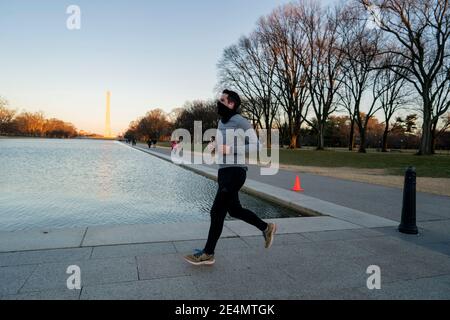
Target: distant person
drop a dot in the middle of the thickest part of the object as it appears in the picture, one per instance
(179, 144)
(231, 177)
(149, 143)
(134, 142)
(212, 144)
(154, 143)
(212, 141)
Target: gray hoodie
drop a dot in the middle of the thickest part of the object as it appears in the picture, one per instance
(245, 141)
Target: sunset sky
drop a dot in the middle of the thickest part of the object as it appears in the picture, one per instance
(148, 53)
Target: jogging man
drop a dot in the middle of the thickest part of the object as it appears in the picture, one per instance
(231, 177)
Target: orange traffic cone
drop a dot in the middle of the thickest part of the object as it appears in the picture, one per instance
(297, 187)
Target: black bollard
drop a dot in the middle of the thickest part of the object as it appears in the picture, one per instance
(408, 223)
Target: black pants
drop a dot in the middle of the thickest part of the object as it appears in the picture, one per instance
(230, 181)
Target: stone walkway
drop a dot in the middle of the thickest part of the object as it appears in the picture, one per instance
(306, 265)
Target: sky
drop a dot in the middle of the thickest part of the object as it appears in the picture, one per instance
(148, 53)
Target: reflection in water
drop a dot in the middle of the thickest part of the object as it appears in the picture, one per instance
(105, 172)
(75, 183)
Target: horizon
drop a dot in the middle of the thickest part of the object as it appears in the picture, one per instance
(146, 60)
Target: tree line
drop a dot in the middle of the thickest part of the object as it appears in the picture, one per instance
(32, 124)
(403, 134)
(158, 125)
(312, 71)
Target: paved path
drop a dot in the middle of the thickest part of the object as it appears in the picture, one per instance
(303, 265)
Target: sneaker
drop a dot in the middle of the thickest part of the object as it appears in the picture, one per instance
(200, 258)
(269, 234)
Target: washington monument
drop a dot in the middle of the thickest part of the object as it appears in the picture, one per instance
(108, 133)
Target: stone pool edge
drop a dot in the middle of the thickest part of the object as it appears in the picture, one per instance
(116, 235)
(310, 206)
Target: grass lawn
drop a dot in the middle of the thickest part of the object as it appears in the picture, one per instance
(395, 163)
(163, 144)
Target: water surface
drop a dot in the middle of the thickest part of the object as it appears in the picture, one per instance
(47, 183)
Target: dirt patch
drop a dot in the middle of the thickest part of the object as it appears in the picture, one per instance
(440, 186)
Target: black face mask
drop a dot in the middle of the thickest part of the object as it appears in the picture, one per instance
(224, 112)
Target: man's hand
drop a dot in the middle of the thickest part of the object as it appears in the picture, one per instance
(211, 146)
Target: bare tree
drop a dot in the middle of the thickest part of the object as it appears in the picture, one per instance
(55, 128)
(441, 104)
(360, 45)
(204, 111)
(282, 126)
(248, 68)
(6, 116)
(394, 96)
(445, 125)
(153, 125)
(363, 118)
(322, 60)
(30, 123)
(345, 100)
(33, 124)
(281, 32)
(253, 112)
(419, 32)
